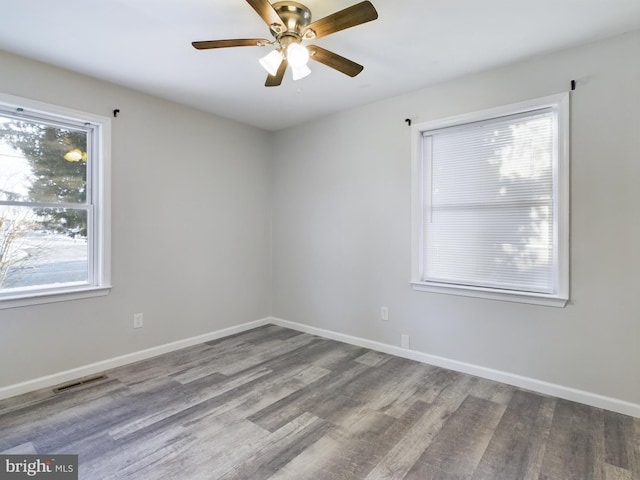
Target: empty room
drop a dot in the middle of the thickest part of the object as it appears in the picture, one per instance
(243, 239)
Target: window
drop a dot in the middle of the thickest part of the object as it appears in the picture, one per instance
(491, 203)
(54, 209)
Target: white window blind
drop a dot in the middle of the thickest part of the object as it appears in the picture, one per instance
(490, 214)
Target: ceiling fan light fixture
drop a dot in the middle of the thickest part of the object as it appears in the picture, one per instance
(272, 61)
(297, 55)
(290, 25)
(300, 72)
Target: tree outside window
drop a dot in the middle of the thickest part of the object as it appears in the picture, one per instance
(43, 204)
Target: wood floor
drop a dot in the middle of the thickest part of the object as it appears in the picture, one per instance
(274, 403)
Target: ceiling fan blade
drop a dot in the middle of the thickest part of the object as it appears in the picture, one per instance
(357, 14)
(240, 42)
(266, 11)
(334, 61)
(276, 80)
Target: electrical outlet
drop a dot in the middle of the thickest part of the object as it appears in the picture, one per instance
(138, 320)
(404, 341)
(384, 313)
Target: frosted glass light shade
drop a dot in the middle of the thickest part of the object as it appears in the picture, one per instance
(300, 72)
(271, 62)
(297, 55)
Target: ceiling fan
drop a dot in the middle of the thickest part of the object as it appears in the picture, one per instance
(290, 24)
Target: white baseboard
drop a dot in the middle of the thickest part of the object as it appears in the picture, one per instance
(540, 386)
(568, 393)
(93, 368)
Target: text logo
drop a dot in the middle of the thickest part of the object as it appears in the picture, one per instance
(51, 467)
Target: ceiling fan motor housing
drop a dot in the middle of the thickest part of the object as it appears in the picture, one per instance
(295, 17)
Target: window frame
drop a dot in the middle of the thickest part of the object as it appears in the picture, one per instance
(559, 102)
(98, 203)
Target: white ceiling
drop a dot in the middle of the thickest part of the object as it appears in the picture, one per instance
(146, 45)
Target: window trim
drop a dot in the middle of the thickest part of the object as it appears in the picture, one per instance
(99, 176)
(561, 186)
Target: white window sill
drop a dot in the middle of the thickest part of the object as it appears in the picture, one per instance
(493, 294)
(52, 295)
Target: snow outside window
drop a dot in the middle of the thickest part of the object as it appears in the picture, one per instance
(53, 203)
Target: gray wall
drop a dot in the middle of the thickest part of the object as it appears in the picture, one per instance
(194, 196)
(190, 229)
(342, 227)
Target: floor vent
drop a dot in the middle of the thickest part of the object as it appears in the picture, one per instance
(78, 383)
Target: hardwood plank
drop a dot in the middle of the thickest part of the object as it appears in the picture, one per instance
(372, 358)
(124, 459)
(341, 453)
(43, 424)
(423, 471)
(616, 473)
(24, 400)
(436, 381)
(319, 395)
(22, 449)
(379, 383)
(571, 452)
(281, 448)
(162, 409)
(327, 354)
(401, 458)
(617, 430)
(415, 382)
(258, 354)
(352, 452)
(258, 335)
(543, 428)
(493, 391)
(634, 448)
(460, 445)
(597, 433)
(164, 365)
(517, 446)
(212, 403)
